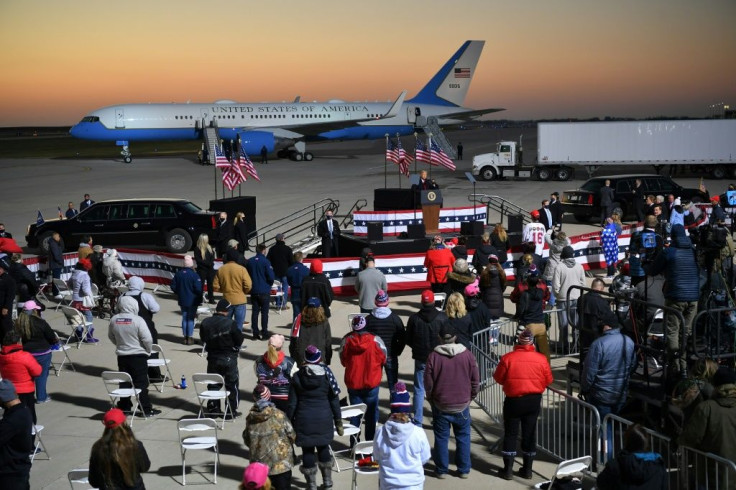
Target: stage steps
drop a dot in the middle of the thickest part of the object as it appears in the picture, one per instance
(299, 228)
(502, 206)
(438, 136)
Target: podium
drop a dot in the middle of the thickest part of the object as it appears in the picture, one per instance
(431, 202)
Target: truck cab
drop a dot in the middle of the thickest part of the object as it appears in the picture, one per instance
(489, 166)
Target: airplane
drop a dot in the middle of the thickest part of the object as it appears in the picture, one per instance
(284, 125)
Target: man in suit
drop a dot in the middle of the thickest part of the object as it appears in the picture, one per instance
(225, 231)
(425, 183)
(555, 207)
(649, 205)
(329, 230)
(86, 203)
(607, 199)
(545, 215)
(639, 200)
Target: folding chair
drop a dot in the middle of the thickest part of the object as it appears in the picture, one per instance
(78, 477)
(277, 294)
(362, 449)
(194, 442)
(112, 381)
(439, 301)
(75, 319)
(63, 347)
(65, 292)
(161, 362)
(202, 383)
(566, 468)
(39, 446)
(42, 290)
(349, 430)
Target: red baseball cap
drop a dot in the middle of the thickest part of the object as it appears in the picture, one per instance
(535, 214)
(427, 297)
(113, 418)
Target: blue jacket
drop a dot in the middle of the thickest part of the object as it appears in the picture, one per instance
(677, 263)
(607, 368)
(261, 273)
(295, 274)
(188, 287)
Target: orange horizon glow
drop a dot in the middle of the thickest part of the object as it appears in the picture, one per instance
(541, 59)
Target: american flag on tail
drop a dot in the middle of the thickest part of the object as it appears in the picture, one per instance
(247, 165)
(439, 157)
(421, 151)
(392, 154)
(404, 158)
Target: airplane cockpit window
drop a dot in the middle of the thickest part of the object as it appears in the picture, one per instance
(90, 119)
(417, 111)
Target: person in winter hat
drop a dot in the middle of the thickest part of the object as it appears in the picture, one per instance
(269, 436)
(387, 325)
(363, 355)
(400, 448)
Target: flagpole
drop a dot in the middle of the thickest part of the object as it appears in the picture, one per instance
(416, 137)
(429, 147)
(215, 177)
(385, 165)
(399, 164)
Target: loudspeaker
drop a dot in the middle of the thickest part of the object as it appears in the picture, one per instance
(516, 227)
(375, 232)
(415, 231)
(471, 228)
(232, 205)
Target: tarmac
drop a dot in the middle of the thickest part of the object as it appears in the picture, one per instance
(341, 171)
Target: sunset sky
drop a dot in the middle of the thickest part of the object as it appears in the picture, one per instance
(542, 59)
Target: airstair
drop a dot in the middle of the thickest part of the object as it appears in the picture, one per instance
(211, 138)
(501, 206)
(438, 136)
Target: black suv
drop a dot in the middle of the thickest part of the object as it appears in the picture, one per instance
(584, 203)
(173, 223)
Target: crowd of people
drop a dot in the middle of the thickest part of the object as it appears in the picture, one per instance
(296, 400)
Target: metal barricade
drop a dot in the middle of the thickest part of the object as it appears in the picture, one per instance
(568, 427)
(488, 346)
(706, 470)
(715, 329)
(658, 443)
(559, 346)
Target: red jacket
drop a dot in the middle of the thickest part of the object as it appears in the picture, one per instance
(20, 367)
(363, 355)
(523, 371)
(523, 286)
(438, 263)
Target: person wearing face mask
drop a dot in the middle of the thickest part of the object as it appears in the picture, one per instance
(329, 230)
(225, 232)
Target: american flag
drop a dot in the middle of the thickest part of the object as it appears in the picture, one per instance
(245, 162)
(439, 157)
(421, 151)
(462, 72)
(405, 158)
(392, 154)
(232, 176)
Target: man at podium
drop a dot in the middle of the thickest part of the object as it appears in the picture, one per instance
(424, 183)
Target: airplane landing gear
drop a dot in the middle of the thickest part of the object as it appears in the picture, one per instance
(127, 155)
(297, 154)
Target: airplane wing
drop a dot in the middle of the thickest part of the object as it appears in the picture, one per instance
(471, 114)
(313, 129)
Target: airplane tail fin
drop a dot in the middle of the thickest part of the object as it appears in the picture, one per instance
(450, 85)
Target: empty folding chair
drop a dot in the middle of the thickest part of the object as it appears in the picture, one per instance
(568, 468)
(63, 349)
(76, 321)
(206, 392)
(65, 292)
(79, 478)
(439, 301)
(361, 450)
(112, 381)
(197, 434)
(349, 430)
(277, 296)
(39, 446)
(161, 362)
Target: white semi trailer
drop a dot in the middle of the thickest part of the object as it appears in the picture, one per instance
(561, 146)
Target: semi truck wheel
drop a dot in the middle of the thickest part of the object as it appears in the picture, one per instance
(563, 174)
(487, 173)
(544, 174)
(719, 172)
